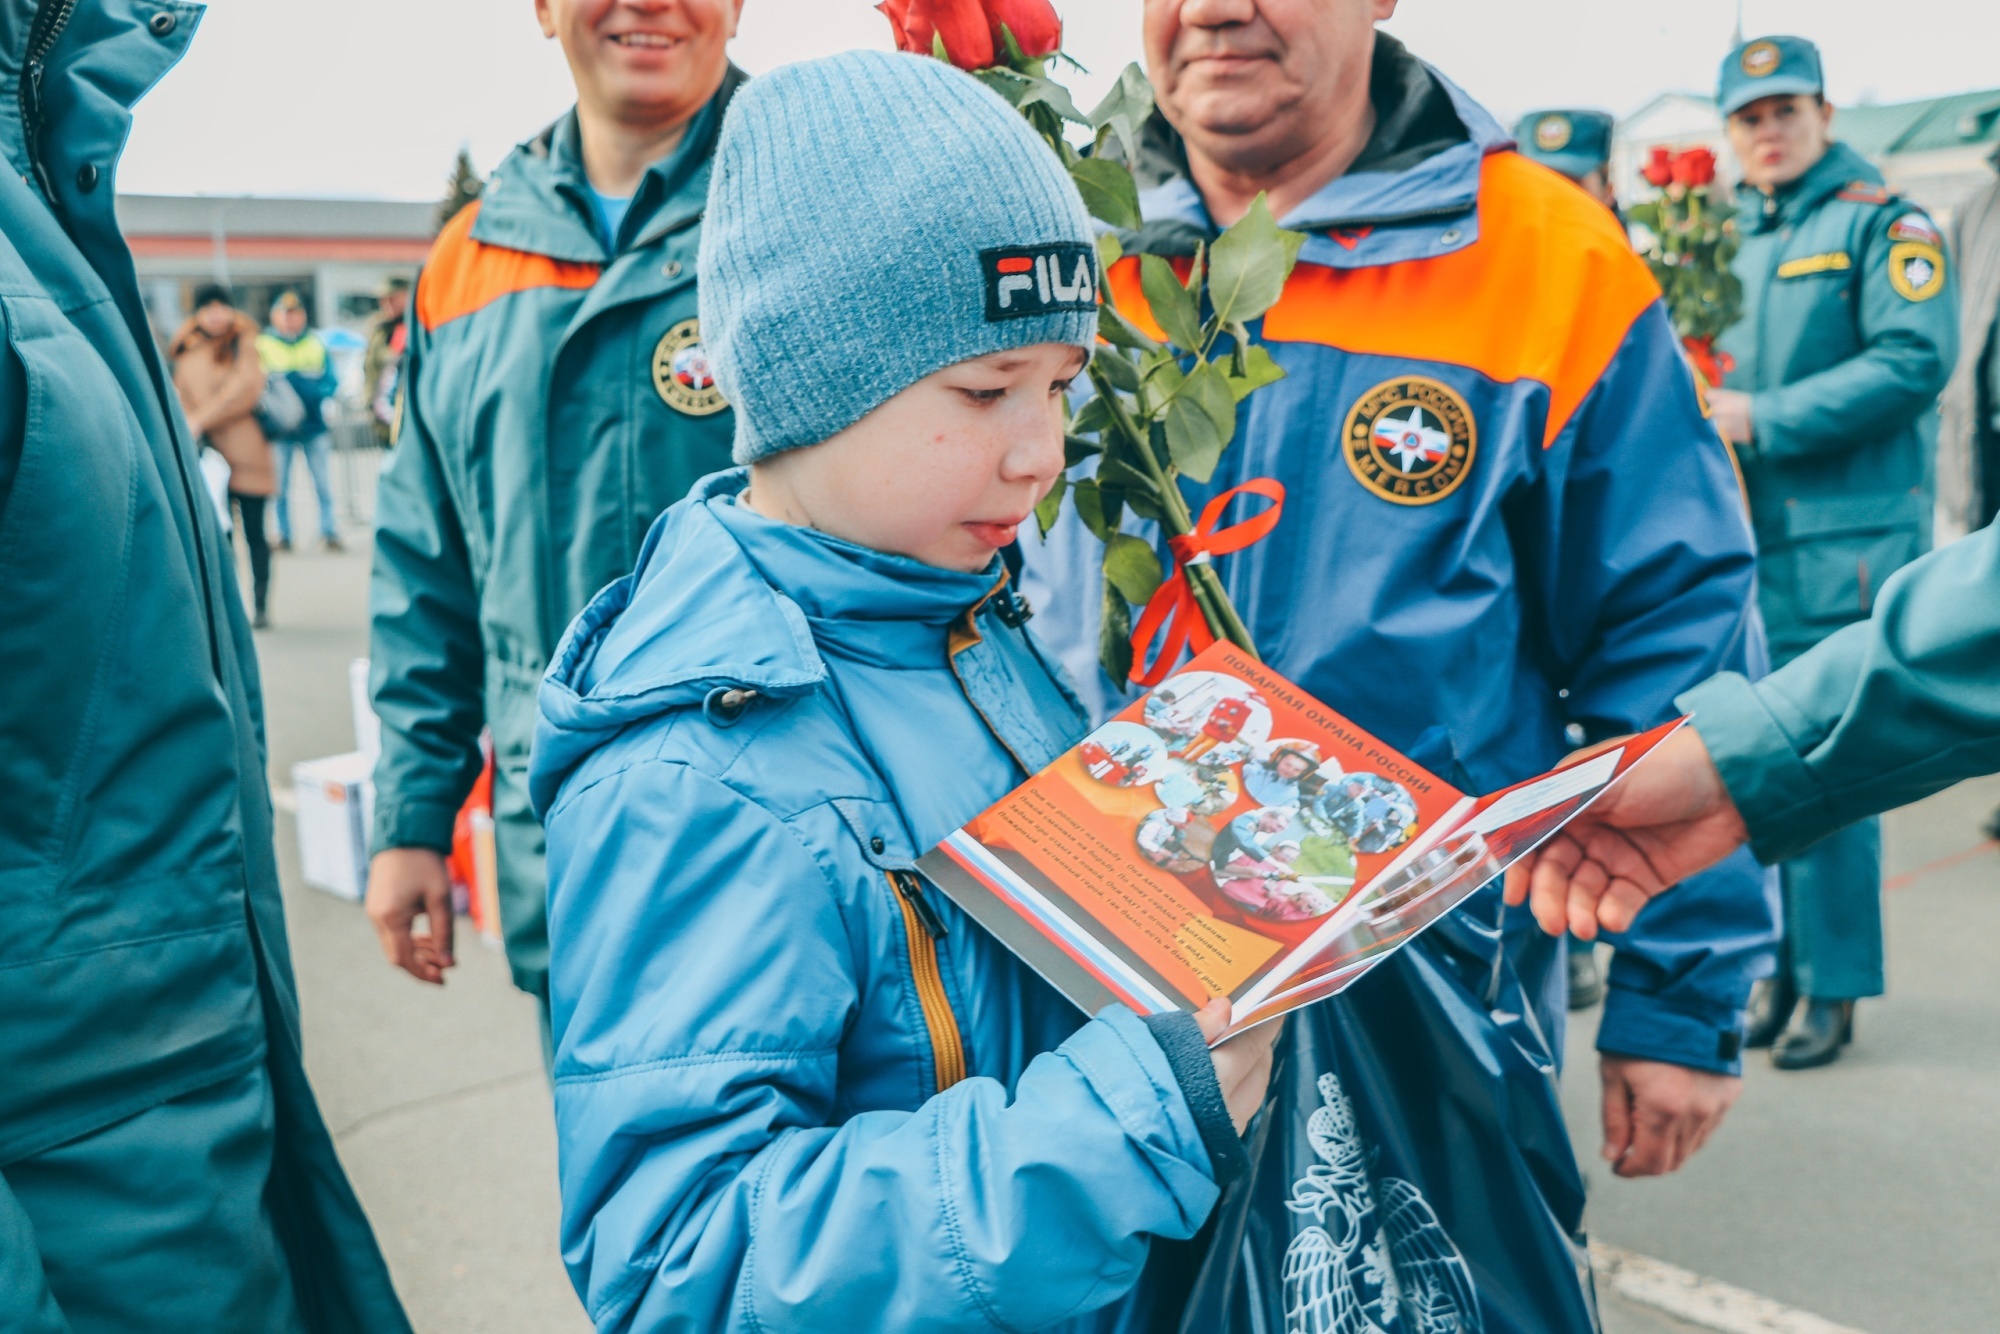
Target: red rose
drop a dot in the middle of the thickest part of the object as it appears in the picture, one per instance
(1036, 27)
(1694, 167)
(962, 24)
(1659, 168)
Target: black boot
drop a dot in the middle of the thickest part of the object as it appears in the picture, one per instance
(1586, 979)
(1771, 1003)
(1815, 1036)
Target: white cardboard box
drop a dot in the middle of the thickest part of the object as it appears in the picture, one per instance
(336, 798)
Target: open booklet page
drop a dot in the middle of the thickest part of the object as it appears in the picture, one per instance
(1227, 834)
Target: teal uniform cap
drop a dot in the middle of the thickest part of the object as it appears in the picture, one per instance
(1574, 143)
(1768, 67)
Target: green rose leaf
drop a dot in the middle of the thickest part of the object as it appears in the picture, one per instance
(1159, 379)
(1173, 309)
(1248, 265)
(1051, 506)
(1109, 251)
(1125, 110)
(1200, 419)
(1258, 370)
(1114, 633)
(1118, 369)
(1092, 417)
(1121, 332)
(1108, 191)
(1090, 508)
(1133, 568)
(1076, 449)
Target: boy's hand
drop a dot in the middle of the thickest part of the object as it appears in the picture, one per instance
(1242, 1064)
(404, 883)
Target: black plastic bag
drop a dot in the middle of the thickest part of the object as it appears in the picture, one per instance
(1411, 1173)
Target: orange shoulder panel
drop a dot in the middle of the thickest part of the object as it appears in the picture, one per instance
(463, 275)
(1548, 293)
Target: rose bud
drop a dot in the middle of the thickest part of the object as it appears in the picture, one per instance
(961, 24)
(1659, 168)
(1036, 27)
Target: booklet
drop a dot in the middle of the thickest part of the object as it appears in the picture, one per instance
(1229, 835)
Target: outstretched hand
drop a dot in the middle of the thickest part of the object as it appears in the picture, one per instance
(1665, 820)
(1242, 1064)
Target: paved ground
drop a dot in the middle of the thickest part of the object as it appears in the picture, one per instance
(1868, 1193)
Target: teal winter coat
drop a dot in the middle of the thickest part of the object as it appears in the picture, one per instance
(796, 1088)
(555, 401)
(1849, 332)
(142, 939)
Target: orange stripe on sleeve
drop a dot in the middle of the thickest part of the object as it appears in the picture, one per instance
(1547, 293)
(464, 275)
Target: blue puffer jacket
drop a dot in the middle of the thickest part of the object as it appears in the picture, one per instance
(791, 1092)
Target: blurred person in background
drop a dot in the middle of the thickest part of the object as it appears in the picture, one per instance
(555, 399)
(290, 349)
(382, 362)
(163, 1162)
(221, 381)
(1575, 143)
(1849, 331)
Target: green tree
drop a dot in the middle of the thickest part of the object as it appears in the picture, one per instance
(461, 188)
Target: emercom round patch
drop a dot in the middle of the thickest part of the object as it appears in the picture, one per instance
(681, 374)
(1552, 133)
(1916, 269)
(1760, 59)
(1411, 440)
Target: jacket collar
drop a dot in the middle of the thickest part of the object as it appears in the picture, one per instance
(539, 198)
(723, 598)
(1421, 200)
(1838, 169)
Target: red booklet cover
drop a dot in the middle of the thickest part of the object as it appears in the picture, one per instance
(1229, 835)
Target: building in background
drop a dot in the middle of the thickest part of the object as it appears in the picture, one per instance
(336, 253)
(1932, 151)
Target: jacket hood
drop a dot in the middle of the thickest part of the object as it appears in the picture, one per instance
(538, 199)
(723, 599)
(1410, 199)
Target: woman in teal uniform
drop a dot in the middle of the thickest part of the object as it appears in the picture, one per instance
(1848, 333)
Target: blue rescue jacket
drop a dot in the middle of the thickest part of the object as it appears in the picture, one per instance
(1577, 553)
(792, 1093)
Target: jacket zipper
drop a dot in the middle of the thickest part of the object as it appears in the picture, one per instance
(42, 36)
(924, 928)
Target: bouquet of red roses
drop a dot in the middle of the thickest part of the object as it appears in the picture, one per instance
(1161, 410)
(1692, 226)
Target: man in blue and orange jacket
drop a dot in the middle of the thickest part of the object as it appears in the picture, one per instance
(555, 398)
(1563, 551)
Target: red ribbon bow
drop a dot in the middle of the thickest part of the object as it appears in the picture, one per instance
(1174, 605)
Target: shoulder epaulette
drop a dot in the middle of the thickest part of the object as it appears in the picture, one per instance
(1864, 192)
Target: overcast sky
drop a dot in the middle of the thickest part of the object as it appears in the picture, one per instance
(374, 97)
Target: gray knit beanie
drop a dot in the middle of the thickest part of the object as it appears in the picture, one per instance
(873, 218)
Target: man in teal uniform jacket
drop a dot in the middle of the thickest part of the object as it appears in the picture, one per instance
(1879, 715)
(163, 1165)
(556, 400)
(1848, 333)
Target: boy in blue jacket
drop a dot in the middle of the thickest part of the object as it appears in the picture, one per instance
(795, 1087)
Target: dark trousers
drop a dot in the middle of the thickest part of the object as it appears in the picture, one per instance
(250, 523)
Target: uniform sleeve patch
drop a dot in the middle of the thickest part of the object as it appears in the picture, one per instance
(1916, 270)
(1914, 227)
(1831, 262)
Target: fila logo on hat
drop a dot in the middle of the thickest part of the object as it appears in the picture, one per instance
(1038, 279)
